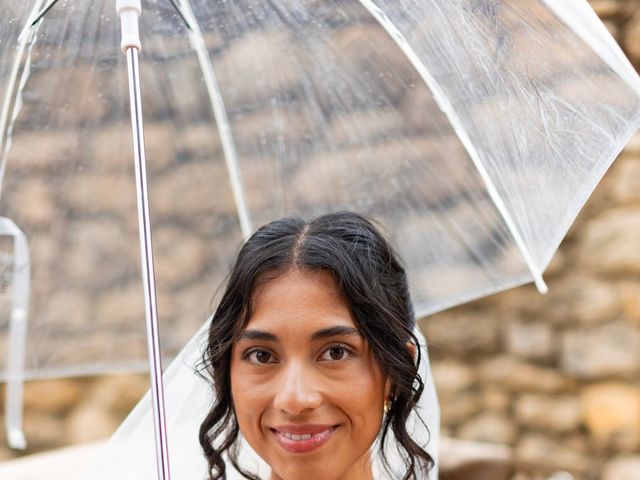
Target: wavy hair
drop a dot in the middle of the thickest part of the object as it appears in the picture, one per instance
(372, 282)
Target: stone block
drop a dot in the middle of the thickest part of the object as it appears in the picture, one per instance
(452, 377)
(44, 430)
(606, 8)
(34, 201)
(549, 413)
(110, 149)
(43, 151)
(118, 394)
(624, 467)
(514, 375)
(552, 454)
(630, 296)
(458, 408)
(495, 399)
(89, 422)
(488, 427)
(179, 256)
(609, 242)
(624, 181)
(611, 412)
(530, 340)
(255, 66)
(611, 349)
(98, 254)
(70, 307)
(580, 299)
(121, 307)
(95, 193)
(192, 191)
(52, 396)
(462, 333)
(631, 40)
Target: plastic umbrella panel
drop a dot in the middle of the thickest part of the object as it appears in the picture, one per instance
(474, 131)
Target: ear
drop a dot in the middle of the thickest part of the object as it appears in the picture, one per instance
(412, 350)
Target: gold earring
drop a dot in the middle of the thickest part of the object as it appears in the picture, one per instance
(387, 405)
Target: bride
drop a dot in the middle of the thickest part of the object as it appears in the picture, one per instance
(316, 369)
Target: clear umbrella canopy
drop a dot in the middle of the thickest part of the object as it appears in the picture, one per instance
(473, 130)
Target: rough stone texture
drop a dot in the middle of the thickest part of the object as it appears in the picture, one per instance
(452, 377)
(632, 37)
(495, 399)
(606, 8)
(612, 349)
(88, 422)
(611, 412)
(625, 181)
(118, 392)
(530, 340)
(544, 450)
(581, 299)
(630, 295)
(609, 242)
(622, 468)
(512, 374)
(552, 414)
(459, 407)
(461, 334)
(36, 199)
(488, 427)
(44, 430)
(52, 396)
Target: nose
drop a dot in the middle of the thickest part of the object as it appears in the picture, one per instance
(297, 392)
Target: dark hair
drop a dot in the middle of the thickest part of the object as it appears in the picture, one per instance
(372, 282)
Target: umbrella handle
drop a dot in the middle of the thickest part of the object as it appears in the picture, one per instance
(20, 289)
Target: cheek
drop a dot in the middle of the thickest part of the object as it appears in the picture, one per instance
(248, 398)
(362, 399)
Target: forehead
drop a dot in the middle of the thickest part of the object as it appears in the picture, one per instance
(297, 301)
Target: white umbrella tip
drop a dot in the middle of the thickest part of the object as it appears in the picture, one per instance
(16, 439)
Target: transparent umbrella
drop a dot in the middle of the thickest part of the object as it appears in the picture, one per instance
(474, 130)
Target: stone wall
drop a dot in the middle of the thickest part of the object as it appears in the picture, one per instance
(557, 376)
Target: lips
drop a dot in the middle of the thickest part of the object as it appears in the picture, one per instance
(303, 438)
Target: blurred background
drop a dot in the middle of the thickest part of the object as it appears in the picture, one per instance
(555, 377)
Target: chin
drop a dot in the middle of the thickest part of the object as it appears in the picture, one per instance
(309, 471)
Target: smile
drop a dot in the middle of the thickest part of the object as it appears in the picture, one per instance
(298, 441)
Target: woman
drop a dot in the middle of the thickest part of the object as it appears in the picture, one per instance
(313, 355)
(314, 336)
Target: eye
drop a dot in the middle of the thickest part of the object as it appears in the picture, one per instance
(258, 356)
(335, 353)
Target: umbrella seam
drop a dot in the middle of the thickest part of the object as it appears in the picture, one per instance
(445, 106)
(11, 95)
(221, 118)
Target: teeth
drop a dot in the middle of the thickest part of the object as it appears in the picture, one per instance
(297, 438)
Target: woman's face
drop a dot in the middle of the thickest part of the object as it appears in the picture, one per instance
(307, 391)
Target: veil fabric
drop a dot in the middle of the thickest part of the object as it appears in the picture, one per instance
(130, 452)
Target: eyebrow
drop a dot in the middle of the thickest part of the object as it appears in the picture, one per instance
(334, 332)
(253, 334)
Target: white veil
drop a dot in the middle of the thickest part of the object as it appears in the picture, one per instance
(130, 453)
